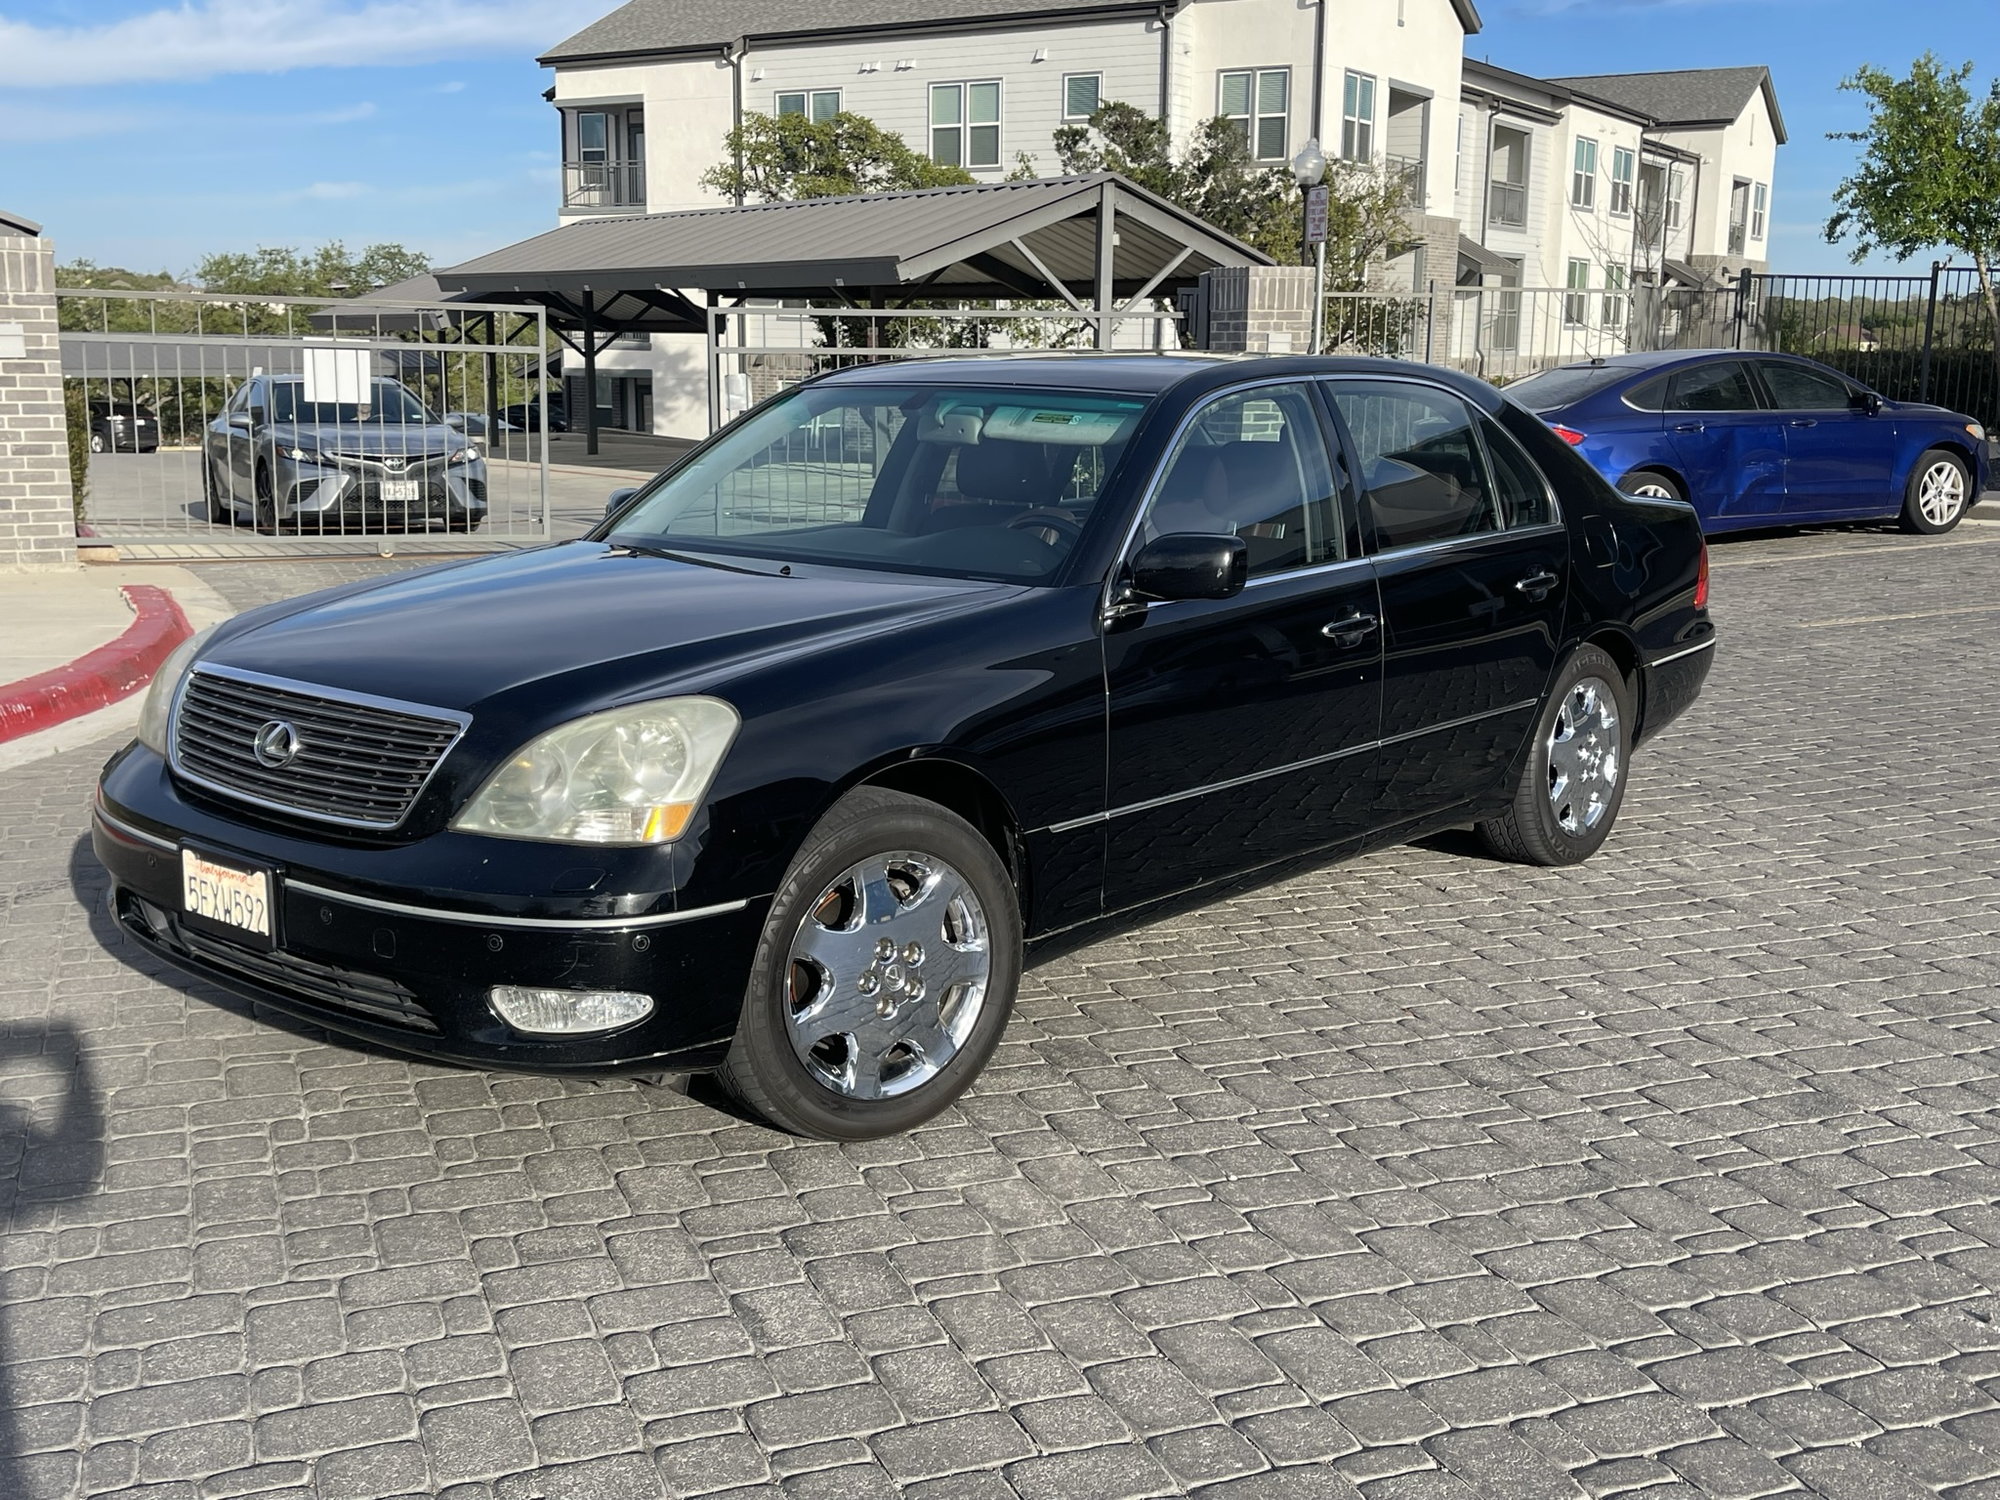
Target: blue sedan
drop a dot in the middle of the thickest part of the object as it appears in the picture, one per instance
(1762, 439)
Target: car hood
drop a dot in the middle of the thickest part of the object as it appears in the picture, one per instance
(564, 630)
(370, 439)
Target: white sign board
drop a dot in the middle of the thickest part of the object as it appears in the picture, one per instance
(1316, 199)
(338, 375)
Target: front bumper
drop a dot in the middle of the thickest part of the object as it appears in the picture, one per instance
(408, 971)
(323, 490)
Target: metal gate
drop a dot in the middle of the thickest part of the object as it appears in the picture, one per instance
(281, 422)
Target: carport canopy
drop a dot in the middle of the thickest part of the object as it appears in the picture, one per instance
(1099, 243)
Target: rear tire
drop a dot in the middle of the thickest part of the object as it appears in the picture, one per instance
(1574, 780)
(1652, 484)
(1938, 494)
(840, 1040)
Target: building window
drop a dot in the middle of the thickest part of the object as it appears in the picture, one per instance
(1760, 200)
(1614, 298)
(1257, 103)
(1676, 192)
(818, 104)
(1357, 118)
(1576, 302)
(1623, 165)
(1583, 178)
(965, 124)
(1508, 204)
(1082, 93)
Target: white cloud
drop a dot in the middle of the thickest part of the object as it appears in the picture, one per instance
(456, 86)
(203, 38)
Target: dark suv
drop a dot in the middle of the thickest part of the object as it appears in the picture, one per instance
(123, 427)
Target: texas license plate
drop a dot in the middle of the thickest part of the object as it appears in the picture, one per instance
(227, 895)
(404, 490)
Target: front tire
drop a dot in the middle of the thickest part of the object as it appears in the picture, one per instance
(266, 511)
(1937, 495)
(884, 975)
(1574, 781)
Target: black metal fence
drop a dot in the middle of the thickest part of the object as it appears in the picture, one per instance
(1913, 338)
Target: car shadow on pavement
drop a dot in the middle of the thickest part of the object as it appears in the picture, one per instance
(52, 1151)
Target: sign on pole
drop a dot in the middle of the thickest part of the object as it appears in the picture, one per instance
(1316, 199)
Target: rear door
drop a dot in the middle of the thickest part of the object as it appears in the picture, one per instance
(1838, 459)
(1729, 444)
(1473, 565)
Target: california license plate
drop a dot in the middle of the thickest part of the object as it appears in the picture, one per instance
(227, 895)
(403, 490)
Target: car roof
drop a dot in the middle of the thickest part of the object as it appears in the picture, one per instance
(1135, 374)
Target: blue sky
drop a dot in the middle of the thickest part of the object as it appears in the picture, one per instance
(146, 134)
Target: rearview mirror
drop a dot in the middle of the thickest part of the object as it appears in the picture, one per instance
(1191, 565)
(618, 499)
(1866, 401)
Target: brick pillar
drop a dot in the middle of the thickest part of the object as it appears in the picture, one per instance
(37, 523)
(1259, 309)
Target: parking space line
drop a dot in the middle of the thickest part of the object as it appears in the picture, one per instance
(1920, 614)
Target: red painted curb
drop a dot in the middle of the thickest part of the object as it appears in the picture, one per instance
(101, 677)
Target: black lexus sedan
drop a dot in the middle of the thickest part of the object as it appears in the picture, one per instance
(780, 769)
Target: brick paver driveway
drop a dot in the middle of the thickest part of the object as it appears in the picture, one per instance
(1419, 1177)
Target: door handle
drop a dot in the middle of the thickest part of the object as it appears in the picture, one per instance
(1690, 427)
(1351, 630)
(1805, 421)
(1537, 585)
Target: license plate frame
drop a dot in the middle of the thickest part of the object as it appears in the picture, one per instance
(232, 886)
(401, 491)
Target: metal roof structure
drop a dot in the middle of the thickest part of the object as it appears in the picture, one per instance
(665, 28)
(1092, 241)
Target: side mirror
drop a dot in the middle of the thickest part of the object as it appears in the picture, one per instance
(618, 498)
(1867, 402)
(1191, 565)
(455, 420)
(240, 419)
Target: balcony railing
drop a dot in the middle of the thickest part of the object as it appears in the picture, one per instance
(1409, 172)
(1509, 205)
(604, 187)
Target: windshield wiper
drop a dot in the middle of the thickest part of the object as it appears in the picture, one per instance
(700, 560)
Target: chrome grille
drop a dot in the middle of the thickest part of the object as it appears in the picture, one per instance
(361, 761)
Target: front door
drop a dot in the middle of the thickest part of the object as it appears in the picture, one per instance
(1838, 459)
(1473, 565)
(1242, 730)
(1730, 446)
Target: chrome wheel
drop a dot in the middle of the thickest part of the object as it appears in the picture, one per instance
(1583, 756)
(887, 975)
(1941, 493)
(1652, 489)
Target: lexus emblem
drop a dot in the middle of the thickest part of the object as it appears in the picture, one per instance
(276, 745)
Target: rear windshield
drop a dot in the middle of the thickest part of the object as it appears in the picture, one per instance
(1565, 386)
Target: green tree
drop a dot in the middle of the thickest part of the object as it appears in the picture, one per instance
(328, 271)
(783, 158)
(1217, 180)
(1929, 173)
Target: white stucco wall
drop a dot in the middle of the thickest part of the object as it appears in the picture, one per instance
(1745, 149)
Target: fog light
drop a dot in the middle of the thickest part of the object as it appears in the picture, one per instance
(567, 1012)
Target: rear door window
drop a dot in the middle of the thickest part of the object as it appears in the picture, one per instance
(1723, 386)
(1422, 468)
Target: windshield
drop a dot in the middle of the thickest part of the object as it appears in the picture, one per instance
(963, 481)
(1565, 386)
(388, 403)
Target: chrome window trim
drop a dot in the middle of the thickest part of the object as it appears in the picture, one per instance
(1159, 475)
(1150, 803)
(314, 690)
(1661, 661)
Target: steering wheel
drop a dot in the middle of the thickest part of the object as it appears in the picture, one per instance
(1046, 517)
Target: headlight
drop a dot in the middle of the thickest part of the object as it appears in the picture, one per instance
(627, 776)
(301, 455)
(1978, 432)
(467, 454)
(157, 711)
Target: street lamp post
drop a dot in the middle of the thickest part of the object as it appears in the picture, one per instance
(1309, 171)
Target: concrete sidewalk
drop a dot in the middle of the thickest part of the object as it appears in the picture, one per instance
(87, 619)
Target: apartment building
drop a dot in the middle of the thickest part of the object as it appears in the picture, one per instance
(647, 95)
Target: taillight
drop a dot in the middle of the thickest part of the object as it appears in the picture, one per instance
(1701, 578)
(1570, 435)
